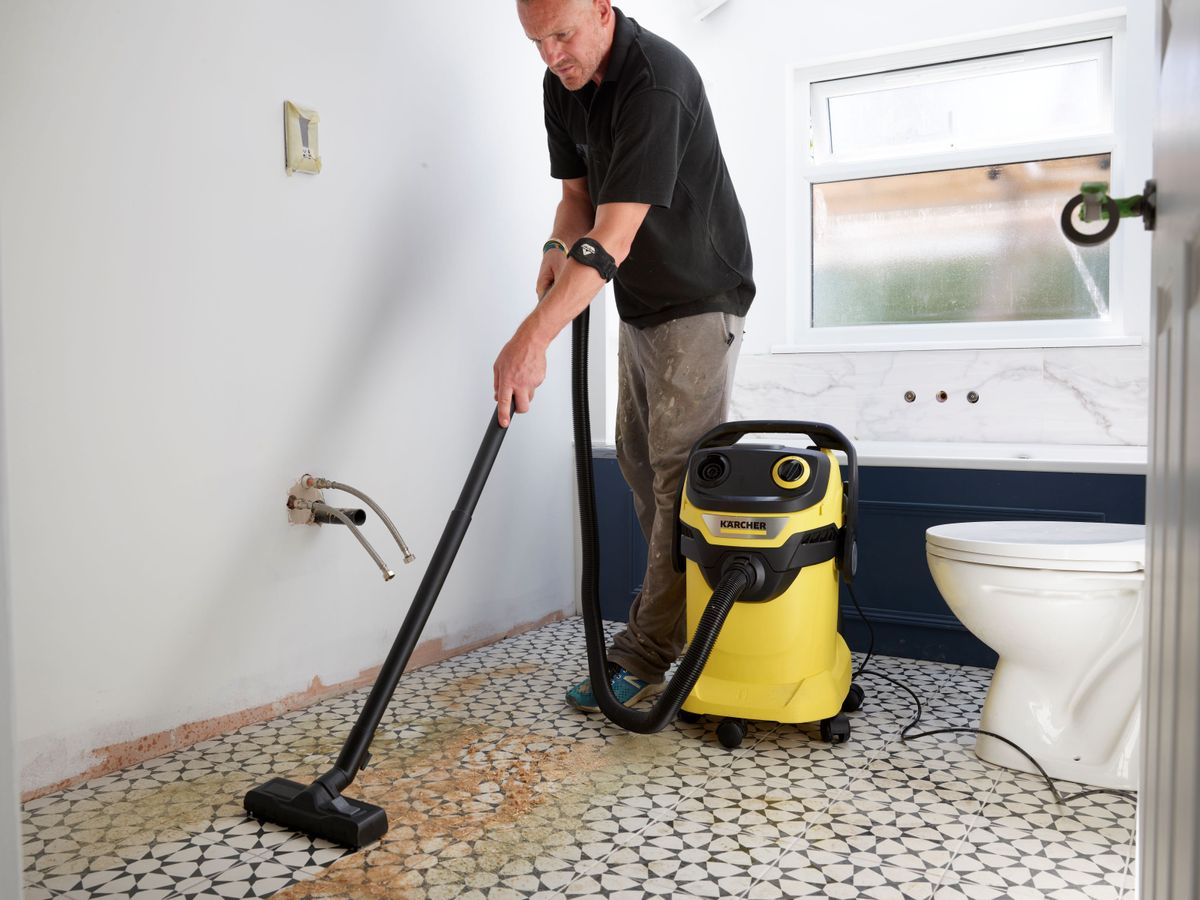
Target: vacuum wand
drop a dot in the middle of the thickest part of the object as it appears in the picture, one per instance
(319, 809)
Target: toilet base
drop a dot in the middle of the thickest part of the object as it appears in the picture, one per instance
(1104, 754)
(993, 751)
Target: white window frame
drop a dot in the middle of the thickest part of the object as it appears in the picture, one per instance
(1126, 305)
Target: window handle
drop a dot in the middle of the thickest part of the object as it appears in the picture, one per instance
(1094, 205)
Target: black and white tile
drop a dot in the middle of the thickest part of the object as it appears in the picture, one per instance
(610, 815)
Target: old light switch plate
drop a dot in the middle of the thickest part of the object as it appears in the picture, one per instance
(300, 138)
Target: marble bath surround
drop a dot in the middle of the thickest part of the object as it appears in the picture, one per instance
(1052, 396)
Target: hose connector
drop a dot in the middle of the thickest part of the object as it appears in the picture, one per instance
(750, 565)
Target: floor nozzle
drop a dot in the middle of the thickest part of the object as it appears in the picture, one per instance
(317, 810)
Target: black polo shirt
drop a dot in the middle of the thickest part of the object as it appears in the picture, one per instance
(646, 135)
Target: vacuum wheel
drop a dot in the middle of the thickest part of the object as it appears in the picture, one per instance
(835, 730)
(854, 699)
(690, 718)
(730, 733)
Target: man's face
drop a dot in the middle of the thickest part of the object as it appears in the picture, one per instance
(571, 35)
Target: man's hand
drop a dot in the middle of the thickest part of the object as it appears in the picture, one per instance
(518, 371)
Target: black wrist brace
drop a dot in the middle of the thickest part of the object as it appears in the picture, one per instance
(590, 253)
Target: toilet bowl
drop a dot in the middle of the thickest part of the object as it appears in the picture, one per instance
(1061, 604)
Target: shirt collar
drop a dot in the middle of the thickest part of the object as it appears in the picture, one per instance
(623, 35)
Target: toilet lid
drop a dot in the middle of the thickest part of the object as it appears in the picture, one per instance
(1111, 546)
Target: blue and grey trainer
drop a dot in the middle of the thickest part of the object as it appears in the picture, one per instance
(627, 687)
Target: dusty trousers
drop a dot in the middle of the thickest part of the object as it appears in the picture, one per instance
(674, 384)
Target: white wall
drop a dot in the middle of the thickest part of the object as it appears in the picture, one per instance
(187, 330)
(10, 831)
(747, 50)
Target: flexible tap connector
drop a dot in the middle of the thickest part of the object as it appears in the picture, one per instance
(325, 509)
(314, 481)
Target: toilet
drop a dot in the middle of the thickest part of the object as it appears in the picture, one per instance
(1062, 605)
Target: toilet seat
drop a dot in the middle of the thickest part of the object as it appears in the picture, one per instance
(1065, 546)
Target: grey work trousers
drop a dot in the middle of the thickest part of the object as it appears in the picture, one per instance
(674, 383)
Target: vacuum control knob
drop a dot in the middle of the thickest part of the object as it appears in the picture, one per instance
(791, 469)
(790, 472)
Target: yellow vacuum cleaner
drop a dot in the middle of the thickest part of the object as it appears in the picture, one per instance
(763, 532)
(788, 512)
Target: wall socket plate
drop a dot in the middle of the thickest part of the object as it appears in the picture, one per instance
(301, 491)
(301, 153)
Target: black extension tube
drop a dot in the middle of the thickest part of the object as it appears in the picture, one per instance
(739, 577)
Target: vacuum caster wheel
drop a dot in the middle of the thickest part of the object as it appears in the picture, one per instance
(690, 718)
(730, 733)
(835, 730)
(854, 699)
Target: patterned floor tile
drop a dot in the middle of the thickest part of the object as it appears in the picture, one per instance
(248, 876)
(903, 805)
(814, 766)
(811, 872)
(875, 834)
(496, 789)
(167, 874)
(104, 818)
(1038, 874)
(966, 891)
(1042, 858)
(654, 870)
(1024, 803)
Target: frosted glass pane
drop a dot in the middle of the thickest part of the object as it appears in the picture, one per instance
(1045, 94)
(1040, 104)
(963, 245)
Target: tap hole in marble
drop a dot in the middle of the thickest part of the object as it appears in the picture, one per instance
(941, 396)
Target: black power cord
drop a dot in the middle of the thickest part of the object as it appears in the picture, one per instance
(905, 736)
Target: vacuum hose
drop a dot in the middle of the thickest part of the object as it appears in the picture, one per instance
(738, 578)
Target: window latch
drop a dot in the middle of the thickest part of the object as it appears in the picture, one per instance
(1095, 205)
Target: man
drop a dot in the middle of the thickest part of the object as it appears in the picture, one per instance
(646, 201)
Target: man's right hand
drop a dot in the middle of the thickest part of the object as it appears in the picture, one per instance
(518, 371)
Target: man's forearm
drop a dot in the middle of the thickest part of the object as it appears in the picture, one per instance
(614, 229)
(571, 294)
(521, 366)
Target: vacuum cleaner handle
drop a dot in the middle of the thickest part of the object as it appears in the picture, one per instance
(824, 437)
